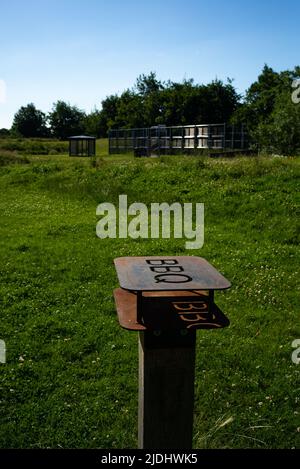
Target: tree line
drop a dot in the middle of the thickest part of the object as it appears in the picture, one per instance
(267, 110)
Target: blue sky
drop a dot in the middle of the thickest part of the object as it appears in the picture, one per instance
(81, 51)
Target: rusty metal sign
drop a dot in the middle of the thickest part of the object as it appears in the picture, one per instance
(166, 273)
(168, 293)
(182, 311)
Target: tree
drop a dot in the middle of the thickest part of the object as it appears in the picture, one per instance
(147, 84)
(221, 101)
(271, 118)
(108, 113)
(147, 91)
(130, 112)
(4, 132)
(92, 124)
(30, 122)
(262, 95)
(188, 103)
(151, 102)
(66, 120)
(281, 132)
(178, 104)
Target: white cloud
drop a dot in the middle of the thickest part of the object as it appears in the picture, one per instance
(2, 91)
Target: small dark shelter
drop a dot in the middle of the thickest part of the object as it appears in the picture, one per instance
(82, 145)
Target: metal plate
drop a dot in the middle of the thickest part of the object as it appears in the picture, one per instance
(166, 273)
(185, 310)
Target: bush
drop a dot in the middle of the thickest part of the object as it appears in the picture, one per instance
(34, 146)
(8, 157)
(281, 133)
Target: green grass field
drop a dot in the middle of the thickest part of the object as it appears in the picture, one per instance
(70, 380)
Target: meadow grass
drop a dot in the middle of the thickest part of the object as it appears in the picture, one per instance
(33, 146)
(70, 380)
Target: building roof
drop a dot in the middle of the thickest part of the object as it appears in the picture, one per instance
(82, 137)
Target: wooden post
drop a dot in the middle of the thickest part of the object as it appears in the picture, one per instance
(195, 137)
(242, 137)
(148, 142)
(117, 140)
(158, 134)
(166, 389)
(133, 139)
(170, 140)
(210, 138)
(183, 139)
(166, 318)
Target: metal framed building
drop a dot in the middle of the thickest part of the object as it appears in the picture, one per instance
(178, 139)
(82, 145)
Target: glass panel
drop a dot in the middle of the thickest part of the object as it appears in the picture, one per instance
(202, 143)
(217, 143)
(203, 131)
